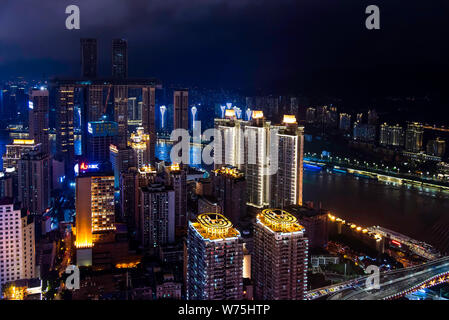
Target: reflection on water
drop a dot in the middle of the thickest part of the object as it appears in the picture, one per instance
(409, 210)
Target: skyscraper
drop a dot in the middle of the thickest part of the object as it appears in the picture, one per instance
(286, 182)
(95, 215)
(391, 135)
(89, 62)
(214, 259)
(279, 262)
(230, 191)
(65, 141)
(140, 143)
(176, 177)
(157, 215)
(148, 117)
(34, 181)
(121, 114)
(181, 109)
(17, 244)
(38, 118)
(414, 137)
(16, 150)
(120, 58)
(100, 136)
(345, 122)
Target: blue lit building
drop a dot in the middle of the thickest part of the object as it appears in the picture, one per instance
(99, 137)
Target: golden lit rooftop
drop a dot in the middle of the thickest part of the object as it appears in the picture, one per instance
(214, 226)
(147, 169)
(23, 141)
(230, 113)
(279, 220)
(257, 114)
(230, 171)
(289, 119)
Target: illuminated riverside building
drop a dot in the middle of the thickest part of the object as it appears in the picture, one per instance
(95, 215)
(140, 143)
(391, 135)
(121, 160)
(16, 150)
(436, 147)
(100, 136)
(286, 182)
(157, 215)
(230, 191)
(279, 261)
(414, 137)
(17, 244)
(214, 259)
(38, 108)
(34, 181)
(181, 109)
(345, 122)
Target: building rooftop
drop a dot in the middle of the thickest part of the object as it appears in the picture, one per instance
(278, 220)
(214, 227)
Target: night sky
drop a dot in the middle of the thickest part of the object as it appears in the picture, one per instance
(277, 44)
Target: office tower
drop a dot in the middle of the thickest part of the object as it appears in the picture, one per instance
(331, 117)
(100, 136)
(256, 154)
(34, 181)
(359, 117)
(17, 244)
(89, 62)
(121, 160)
(230, 191)
(157, 215)
(94, 107)
(120, 58)
(140, 143)
(176, 177)
(95, 216)
(391, 135)
(364, 132)
(294, 106)
(65, 141)
(321, 112)
(38, 118)
(345, 122)
(279, 261)
(121, 114)
(414, 137)
(148, 118)
(436, 147)
(130, 183)
(310, 115)
(214, 259)
(286, 183)
(16, 150)
(181, 109)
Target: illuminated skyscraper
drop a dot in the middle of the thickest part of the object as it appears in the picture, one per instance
(120, 58)
(176, 177)
(16, 150)
(17, 244)
(140, 142)
(95, 215)
(89, 63)
(34, 181)
(181, 109)
(286, 182)
(279, 261)
(100, 136)
(148, 118)
(157, 215)
(414, 137)
(214, 259)
(65, 142)
(121, 114)
(345, 122)
(436, 147)
(310, 115)
(38, 109)
(230, 191)
(391, 135)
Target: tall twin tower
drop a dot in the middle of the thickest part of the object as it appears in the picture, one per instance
(89, 58)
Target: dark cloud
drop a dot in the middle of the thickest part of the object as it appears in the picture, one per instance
(229, 42)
